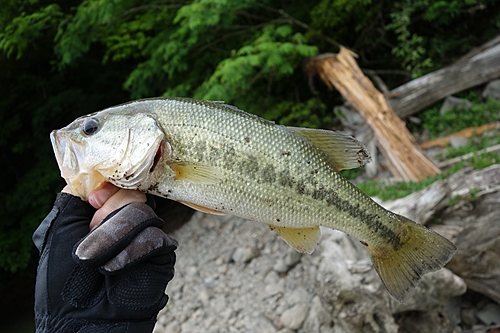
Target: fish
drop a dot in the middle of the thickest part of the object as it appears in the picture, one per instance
(218, 159)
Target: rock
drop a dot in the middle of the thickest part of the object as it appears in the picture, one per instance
(297, 296)
(294, 317)
(451, 102)
(349, 118)
(280, 266)
(261, 324)
(490, 314)
(435, 289)
(173, 327)
(468, 316)
(452, 308)
(162, 320)
(429, 322)
(349, 288)
(275, 288)
(283, 265)
(372, 169)
(244, 254)
(317, 317)
(479, 329)
(292, 258)
(457, 142)
(285, 330)
(474, 228)
(192, 270)
(205, 295)
(492, 90)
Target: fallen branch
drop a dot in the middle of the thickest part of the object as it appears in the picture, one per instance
(405, 159)
(420, 93)
(450, 162)
(465, 133)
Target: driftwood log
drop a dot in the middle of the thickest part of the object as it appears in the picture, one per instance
(405, 159)
(481, 66)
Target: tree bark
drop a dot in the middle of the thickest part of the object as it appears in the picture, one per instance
(405, 158)
(468, 72)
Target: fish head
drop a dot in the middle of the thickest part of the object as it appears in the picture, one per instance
(109, 146)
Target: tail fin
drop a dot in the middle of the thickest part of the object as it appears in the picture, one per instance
(421, 251)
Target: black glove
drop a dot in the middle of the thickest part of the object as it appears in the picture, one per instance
(112, 279)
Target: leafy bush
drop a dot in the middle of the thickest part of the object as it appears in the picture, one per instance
(457, 119)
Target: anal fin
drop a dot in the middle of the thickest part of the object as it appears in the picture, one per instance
(202, 208)
(303, 240)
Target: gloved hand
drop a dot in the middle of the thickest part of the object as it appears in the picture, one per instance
(109, 280)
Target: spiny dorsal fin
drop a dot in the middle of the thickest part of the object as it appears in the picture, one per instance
(343, 151)
(196, 173)
(303, 240)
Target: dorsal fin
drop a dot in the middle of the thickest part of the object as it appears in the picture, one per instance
(343, 151)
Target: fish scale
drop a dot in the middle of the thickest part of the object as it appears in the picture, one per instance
(219, 159)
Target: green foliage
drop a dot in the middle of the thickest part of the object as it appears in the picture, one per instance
(410, 47)
(456, 119)
(469, 197)
(18, 34)
(274, 53)
(312, 113)
(351, 173)
(412, 19)
(336, 13)
(475, 144)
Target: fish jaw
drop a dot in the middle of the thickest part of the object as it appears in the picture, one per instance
(69, 156)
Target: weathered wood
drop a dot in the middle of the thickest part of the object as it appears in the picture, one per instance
(420, 93)
(405, 159)
(465, 133)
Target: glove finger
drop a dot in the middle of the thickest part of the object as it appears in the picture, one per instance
(150, 242)
(114, 234)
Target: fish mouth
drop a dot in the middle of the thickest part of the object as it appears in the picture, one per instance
(69, 159)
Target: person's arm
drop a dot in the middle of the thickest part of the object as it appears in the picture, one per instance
(111, 279)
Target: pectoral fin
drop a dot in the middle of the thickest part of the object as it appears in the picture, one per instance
(202, 208)
(303, 240)
(343, 151)
(196, 173)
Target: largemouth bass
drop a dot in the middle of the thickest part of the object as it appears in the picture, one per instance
(218, 159)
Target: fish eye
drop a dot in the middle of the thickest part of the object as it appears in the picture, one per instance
(90, 126)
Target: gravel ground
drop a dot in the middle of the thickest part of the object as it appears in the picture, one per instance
(234, 275)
